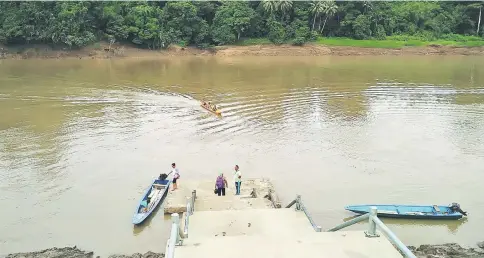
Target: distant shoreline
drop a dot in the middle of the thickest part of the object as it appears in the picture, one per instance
(104, 51)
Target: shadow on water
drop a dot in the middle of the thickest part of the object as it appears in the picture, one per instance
(137, 229)
(452, 225)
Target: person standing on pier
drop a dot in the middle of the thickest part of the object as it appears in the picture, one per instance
(176, 176)
(221, 184)
(237, 180)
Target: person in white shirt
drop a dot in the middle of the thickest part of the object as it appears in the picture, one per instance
(176, 176)
(237, 180)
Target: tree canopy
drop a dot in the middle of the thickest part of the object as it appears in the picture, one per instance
(204, 23)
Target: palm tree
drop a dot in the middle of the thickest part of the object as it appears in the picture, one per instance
(329, 11)
(284, 6)
(479, 21)
(477, 6)
(317, 8)
(270, 6)
(367, 6)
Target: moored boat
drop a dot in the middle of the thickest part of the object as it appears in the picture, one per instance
(451, 212)
(153, 196)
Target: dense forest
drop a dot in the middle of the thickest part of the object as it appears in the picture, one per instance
(208, 23)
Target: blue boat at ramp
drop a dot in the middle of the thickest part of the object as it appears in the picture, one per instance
(437, 212)
(153, 196)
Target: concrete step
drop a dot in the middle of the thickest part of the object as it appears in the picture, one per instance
(347, 244)
(230, 202)
(262, 222)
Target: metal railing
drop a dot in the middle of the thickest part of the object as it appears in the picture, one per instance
(176, 235)
(189, 212)
(374, 221)
(300, 207)
(175, 238)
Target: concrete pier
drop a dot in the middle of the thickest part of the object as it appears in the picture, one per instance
(254, 194)
(248, 226)
(273, 233)
(351, 244)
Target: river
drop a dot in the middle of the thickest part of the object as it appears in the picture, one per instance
(81, 139)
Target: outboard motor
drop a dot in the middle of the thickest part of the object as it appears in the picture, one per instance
(455, 207)
(163, 176)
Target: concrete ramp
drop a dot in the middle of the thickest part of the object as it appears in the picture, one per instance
(240, 227)
(230, 202)
(262, 222)
(351, 244)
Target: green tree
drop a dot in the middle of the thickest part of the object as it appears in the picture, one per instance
(284, 7)
(236, 16)
(223, 35)
(112, 21)
(362, 27)
(159, 24)
(300, 32)
(329, 11)
(144, 27)
(270, 6)
(273, 6)
(182, 17)
(477, 6)
(317, 8)
(73, 24)
(277, 34)
(367, 6)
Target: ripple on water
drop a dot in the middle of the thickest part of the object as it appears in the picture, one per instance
(345, 128)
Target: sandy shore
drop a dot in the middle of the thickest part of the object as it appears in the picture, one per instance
(103, 50)
(427, 251)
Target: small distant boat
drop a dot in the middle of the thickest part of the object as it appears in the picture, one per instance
(153, 196)
(217, 112)
(451, 212)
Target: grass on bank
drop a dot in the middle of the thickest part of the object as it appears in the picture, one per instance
(397, 42)
(389, 42)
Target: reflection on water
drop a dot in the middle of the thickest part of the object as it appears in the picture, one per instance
(80, 140)
(451, 225)
(157, 213)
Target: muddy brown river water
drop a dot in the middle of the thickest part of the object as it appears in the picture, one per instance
(81, 139)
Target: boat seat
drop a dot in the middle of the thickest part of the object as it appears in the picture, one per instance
(154, 192)
(436, 208)
(387, 212)
(158, 186)
(414, 213)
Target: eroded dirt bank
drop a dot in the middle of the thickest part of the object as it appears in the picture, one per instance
(446, 251)
(74, 252)
(427, 251)
(106, 51)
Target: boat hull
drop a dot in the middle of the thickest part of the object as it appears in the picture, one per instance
(433, 212)
(218, 112)
(139, 217)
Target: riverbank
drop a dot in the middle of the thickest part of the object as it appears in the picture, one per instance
(423, 251)
(105, 51)
(74, 252)
(446, 250)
